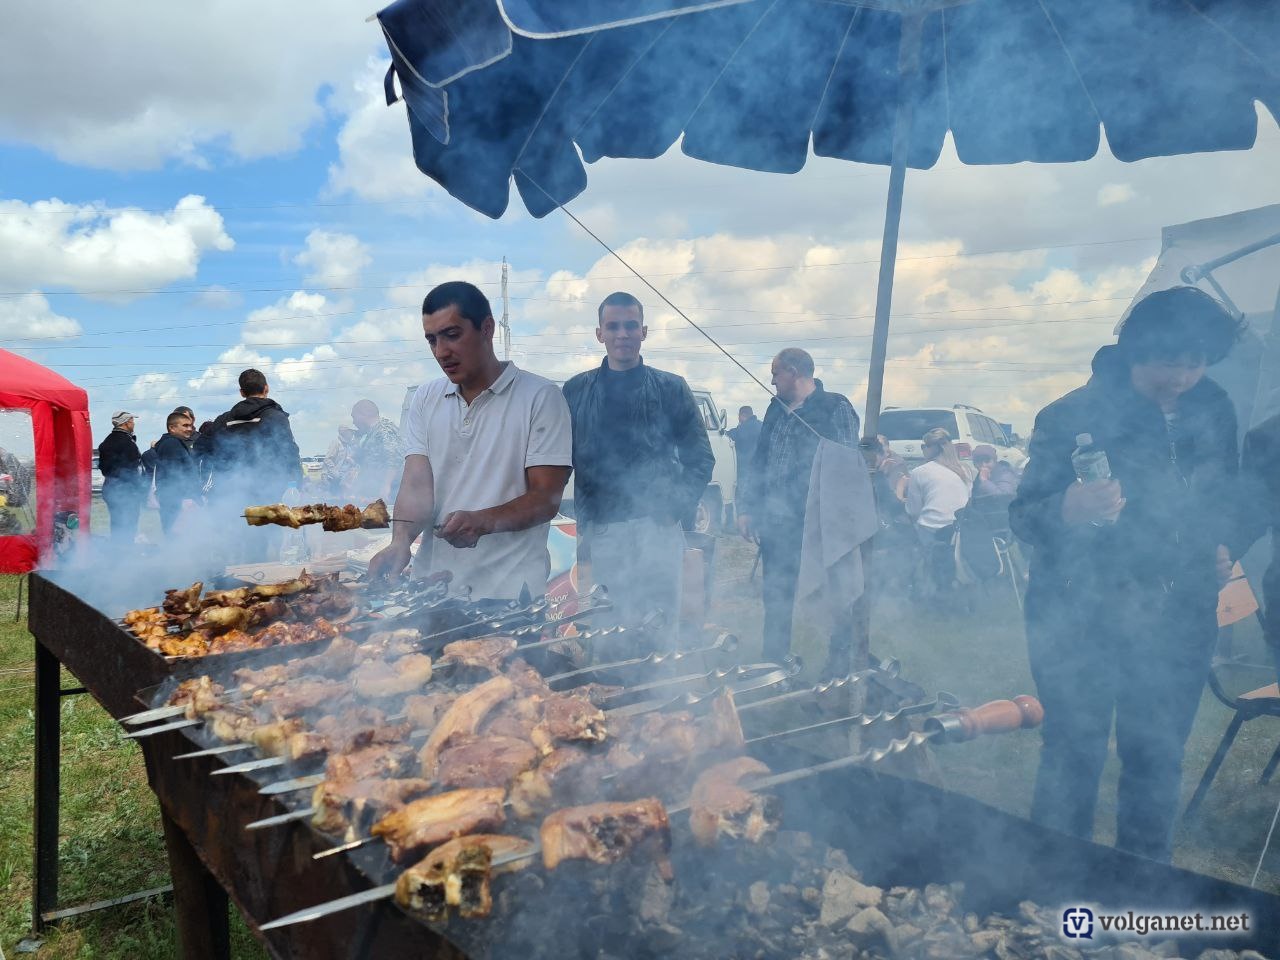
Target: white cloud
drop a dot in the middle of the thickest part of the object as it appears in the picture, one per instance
(334, 260)
(92, 248)
(154, 388)
(173, 81)
(1110, 194)
(29, 317)
(296, 320)
(375, 152)
(221, 376)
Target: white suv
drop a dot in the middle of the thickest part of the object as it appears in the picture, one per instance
(968, 426)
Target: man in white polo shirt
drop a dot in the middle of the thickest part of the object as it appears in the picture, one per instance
(488, 451)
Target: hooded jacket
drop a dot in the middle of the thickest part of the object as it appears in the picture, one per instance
(177, 475)
(253, 443)
(672, 462)
(1178, 482)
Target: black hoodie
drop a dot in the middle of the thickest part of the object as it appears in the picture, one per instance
(251, 447)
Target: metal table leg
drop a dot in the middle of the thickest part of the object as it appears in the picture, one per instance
(200, 904)
(48, 721)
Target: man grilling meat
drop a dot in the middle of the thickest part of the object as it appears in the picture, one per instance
(487, 456)
(643, 459)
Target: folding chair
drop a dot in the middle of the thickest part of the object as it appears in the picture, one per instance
(1235, 604)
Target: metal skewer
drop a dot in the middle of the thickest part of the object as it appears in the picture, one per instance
(998, 716)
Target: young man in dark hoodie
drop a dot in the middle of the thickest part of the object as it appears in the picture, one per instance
(1121, 604)
(250, 450)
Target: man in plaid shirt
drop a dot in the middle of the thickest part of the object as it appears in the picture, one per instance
(776, 485)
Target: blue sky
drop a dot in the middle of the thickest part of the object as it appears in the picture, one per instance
(313, 239)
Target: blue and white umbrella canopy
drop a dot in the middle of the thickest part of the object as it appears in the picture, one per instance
(530, 89)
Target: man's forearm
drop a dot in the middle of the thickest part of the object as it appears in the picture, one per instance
(527, 510)
(415, 504)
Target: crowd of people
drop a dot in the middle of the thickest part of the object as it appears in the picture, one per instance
(1125, 566)
(245, 455)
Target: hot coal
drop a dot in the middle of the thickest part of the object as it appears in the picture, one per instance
(795, 899)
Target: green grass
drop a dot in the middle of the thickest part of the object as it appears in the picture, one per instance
(111, 839)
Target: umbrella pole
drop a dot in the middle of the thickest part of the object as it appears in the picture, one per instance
(908, 65)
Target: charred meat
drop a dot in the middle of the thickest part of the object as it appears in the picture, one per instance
(483, 653)
(606, 832)
(721, 807)
(463, 718)
(349, 806)
(484, 762)
(456, 874)
(429, 821)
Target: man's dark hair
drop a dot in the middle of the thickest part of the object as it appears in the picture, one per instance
(174, 418)
(185, 411)
(252, 382)
(619, 299)
(797, 359)
(1177, 324)
(471, 303)
(746, 410)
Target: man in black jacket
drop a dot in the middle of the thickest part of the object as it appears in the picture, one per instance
(745, 436)
(642, 460)
(252, 458)
(124, 485)
(177, 473)
(771, 506)
(1121, 604)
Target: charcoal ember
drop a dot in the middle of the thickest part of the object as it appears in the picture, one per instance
(758, 898)
(940, 899)
(843, 896)
(945, 945)
(1218, 955)
(656, 898)
(984, 941)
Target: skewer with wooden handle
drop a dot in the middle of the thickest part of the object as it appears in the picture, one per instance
(998, 716)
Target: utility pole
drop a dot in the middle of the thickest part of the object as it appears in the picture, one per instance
(506, 314)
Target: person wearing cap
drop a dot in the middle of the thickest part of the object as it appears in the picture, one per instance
(1121, 604)
(996, 478)
(124, 484)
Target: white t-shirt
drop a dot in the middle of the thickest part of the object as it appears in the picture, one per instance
(478, 454)
(934, 494)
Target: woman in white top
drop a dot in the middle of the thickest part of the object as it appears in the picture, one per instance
(935, 491)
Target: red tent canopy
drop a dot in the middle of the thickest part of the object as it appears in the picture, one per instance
(64, 454)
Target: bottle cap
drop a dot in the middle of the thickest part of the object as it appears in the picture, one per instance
(1084, 439)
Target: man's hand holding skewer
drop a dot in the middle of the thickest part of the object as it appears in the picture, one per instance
(464, 528)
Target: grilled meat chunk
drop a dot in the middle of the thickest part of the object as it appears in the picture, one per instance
(183, 601)
(515, 718)
(606, 832)
(721, 807)
(424, 710)
(564, 773)
(483, 653)
(199, 694)
(273, 738)
(300, 696)
(389, 678)
(429, 821)
(370, 762)
(463, 718)
(456, 874)
(350, 806)
(484, 762)
(566, 718)
(345, 732)
(333, 519)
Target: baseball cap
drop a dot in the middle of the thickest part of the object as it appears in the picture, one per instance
(120, 418)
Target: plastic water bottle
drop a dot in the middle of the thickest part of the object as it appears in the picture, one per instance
(1091, 466)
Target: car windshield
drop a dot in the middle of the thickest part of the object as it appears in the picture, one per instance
(914, 424)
